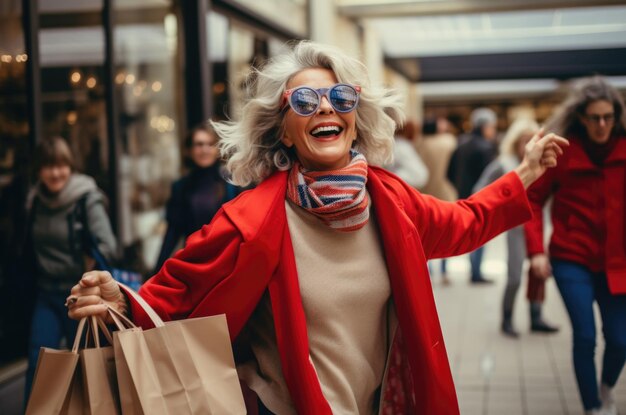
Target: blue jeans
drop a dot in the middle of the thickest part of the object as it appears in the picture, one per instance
(476, 258)
(50, 324)
(579, 288)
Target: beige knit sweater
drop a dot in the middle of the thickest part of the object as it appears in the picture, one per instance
(345, 293)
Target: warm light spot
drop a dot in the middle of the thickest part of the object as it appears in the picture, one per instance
(91, 82)
(75, 77)
(130, 78)
(6, 58)
(137, 90)
(156, 86)
(119, 78)
(162, 123)
(219, 88)
(72, 117)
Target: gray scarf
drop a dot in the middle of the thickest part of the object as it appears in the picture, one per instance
(77, 186)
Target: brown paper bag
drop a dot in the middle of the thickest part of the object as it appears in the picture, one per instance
(57, 385)
(75, 404)
(98, 371)
(182, 367)
(129, 400)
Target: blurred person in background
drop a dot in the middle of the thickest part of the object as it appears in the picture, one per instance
(196, 197)
(587, 253)
(512, 150)
(436, 148)
(56, 240)
(407, 164)
(475, 151)
(321, 269)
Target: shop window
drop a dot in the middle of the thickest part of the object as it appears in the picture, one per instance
(14, 156)
(73, 96)
(147, 84)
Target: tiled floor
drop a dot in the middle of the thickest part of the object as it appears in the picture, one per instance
(497, 375)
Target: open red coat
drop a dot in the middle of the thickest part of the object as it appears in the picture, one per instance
(227, 266)
(588, 212)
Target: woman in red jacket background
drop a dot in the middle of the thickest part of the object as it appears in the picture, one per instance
(587, 253)
(321, 269)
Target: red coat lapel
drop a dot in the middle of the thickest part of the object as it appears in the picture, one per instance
(263, 220)
(413, 298)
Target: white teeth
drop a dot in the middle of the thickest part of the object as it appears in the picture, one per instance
(330, 128)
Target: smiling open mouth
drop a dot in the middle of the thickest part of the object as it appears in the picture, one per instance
(326, 131)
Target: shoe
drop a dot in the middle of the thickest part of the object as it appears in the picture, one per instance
(508, 330)
(608, 400)
(481, 281)
(608, 410)
(445, 280)
(540, 326)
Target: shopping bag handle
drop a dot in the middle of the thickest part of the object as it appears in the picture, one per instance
(121, 321)
(154, 317)
(105, 330)
(95, 323)
(79, 334)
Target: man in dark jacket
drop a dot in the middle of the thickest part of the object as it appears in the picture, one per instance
(475, 151)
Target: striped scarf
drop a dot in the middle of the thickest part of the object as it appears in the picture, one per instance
(338, 197)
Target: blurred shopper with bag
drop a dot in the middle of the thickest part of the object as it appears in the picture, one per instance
(475, 151)
(512, 150)
(321, 269)
(587, 253)
(55, 236)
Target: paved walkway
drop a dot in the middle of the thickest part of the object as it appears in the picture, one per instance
(498, 375)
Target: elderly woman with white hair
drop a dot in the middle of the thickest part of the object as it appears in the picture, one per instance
(512, 150)
(321, 268)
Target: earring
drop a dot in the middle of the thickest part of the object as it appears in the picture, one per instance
(282, 159)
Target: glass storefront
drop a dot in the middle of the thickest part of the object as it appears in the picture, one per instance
(71, 41)
(245, 48)
(148, 87)
(134, 154)
(14, 151)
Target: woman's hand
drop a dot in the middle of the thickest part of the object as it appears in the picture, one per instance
(540, 153)
(94, 292)
(540, 266)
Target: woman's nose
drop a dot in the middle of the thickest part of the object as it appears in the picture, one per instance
(325, 106)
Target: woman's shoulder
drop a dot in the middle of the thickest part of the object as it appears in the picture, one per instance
(95, 196)
(394, 185)
(253, 208)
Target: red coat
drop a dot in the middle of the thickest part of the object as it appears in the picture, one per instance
(588, 212)
(227, 265)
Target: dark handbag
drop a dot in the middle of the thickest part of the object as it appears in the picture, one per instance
(131, 278)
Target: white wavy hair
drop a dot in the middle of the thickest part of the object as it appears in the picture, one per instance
(252, 146)
(520, 127)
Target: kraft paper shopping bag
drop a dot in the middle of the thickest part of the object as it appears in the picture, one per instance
(180, 367)
(57, 385)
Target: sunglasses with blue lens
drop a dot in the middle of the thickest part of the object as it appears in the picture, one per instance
(305, 101)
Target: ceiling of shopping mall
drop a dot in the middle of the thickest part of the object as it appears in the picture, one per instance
(425, 40)
(448, 40)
